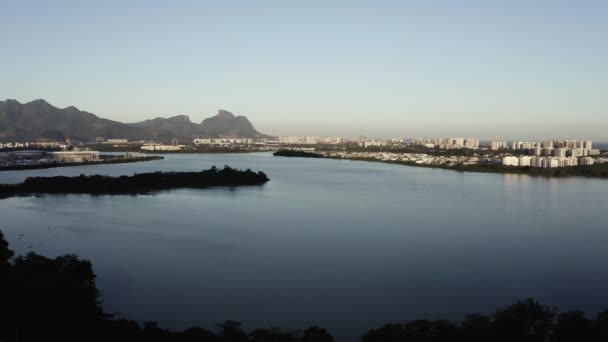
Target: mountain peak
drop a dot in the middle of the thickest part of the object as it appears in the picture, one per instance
(184, 118)
(39, 102)
(224, 113)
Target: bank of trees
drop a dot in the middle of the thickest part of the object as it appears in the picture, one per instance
(523, 321)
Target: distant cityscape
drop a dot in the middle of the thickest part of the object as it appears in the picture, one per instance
(426, 151)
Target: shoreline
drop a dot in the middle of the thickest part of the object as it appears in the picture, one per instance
(514, 170)
(101, 162)
(599, 171)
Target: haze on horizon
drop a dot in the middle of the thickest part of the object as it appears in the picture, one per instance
(495, 70)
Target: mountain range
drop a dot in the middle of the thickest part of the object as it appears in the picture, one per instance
(40, 121)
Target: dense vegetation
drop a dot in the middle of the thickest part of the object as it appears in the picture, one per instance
(50, 165)
(137, 184)
(57, 300)
(293, 153)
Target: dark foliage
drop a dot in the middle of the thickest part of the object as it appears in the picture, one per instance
(523, 321)
(293, 153)
(137, 184)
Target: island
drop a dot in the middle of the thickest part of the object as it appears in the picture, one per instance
(143, 183)
(297, 153)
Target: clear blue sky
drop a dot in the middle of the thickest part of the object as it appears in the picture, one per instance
(492, 69)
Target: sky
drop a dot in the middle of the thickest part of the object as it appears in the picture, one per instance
(489, 69)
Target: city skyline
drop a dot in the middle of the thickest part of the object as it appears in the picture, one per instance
(516, 70)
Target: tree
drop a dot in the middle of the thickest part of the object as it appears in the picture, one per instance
(231, 332)
(524, 321)
(476, 327)
(316, 334)
(5, 253)
(572, 326)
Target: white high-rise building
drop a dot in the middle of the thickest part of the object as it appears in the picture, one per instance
(471, 143)
(587, 145)
(497, 145)
(579, 152)
(510, 161)
(525, 160)
(586, 161)
(560, 152)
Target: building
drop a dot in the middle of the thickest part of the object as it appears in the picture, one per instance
(160, 147)
(586, 161)
(471, 143)
(457, 141)
(525, 160)
(117, 141)
(560, 152)
(578, 152)
(221, 141)
(498, 145)
(571, 144)
(587, 145)
(75, 156)
(510, 161)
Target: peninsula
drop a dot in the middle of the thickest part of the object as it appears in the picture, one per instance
(456, 163)
(143, 183)
(34, 164)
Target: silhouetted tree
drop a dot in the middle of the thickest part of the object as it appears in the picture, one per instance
(600, 327)
(271, 335)
(198, 335)
(231, 332)
(524, 321)
(56, 297)
(5, 253)
(316, 334)
(572, 326)
(476, 327)
(414, 331)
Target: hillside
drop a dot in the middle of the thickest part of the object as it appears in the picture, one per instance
(40, 121)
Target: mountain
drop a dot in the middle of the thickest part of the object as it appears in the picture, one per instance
(226, 124)
(222, 125)
(38, 120)
(178, 126)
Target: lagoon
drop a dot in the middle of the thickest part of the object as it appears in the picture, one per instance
(345, 245)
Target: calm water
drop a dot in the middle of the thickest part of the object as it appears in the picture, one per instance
(340, 244)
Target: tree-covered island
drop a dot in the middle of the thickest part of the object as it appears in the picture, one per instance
(143, 183)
